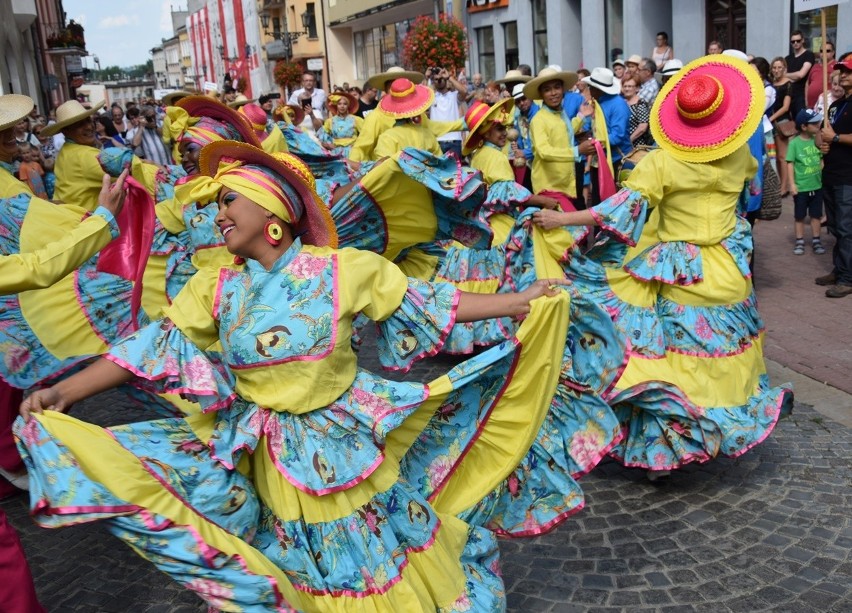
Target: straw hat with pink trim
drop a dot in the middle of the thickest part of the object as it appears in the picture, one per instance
(256, 117)
(708, 110)
(316, 226)
(336, 97)
(405, 99)
(480, 118)
(205, 106)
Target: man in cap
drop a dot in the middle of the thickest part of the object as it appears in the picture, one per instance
(632, 64)
(837, 184)
(611, 121)
(618, 68)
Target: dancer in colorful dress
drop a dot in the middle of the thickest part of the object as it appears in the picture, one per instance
(695, 384)
(342, 126)
(284, 492)
(406, 103)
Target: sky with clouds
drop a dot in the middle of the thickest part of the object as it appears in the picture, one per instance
(122, 33)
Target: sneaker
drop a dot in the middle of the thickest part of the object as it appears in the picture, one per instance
(799, 249)
(817, 246)
(829, 279)
(838, 291)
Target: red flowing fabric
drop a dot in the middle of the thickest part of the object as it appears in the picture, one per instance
(127, 255)
(17, 592)
(520, 174)
(10, 460)
(606, 183)
(566, 203)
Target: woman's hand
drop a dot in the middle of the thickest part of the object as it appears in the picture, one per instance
(43, 400)
(545, 202)
(112, 196)
(542, 287)
(548, 220)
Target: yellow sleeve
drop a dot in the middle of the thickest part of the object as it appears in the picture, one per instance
(363, 147)
(42, 268)
(439, 128)
(327, 125)
(650, 178)
(170, 214)
(192, 309)
(493, 165)
(385, 146)
(145, 173)
(359, 124)
(542, 147)
(370, 283)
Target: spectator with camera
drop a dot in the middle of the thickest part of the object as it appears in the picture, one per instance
(310, 91)
(148, 139)
(450, 94)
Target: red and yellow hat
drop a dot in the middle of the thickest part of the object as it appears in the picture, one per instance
(279, 182)
(479, 119)
(336, 97)
(709, 109)
(405, 99)
(256, 117)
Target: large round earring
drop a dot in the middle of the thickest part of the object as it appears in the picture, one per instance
(273, 233)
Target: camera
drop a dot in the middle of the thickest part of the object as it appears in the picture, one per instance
(436, 70)
(274, 96)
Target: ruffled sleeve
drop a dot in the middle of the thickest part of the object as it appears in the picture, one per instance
(193, 308)
(621, 217)
(420, 326)
(505, 196)
(166, 361)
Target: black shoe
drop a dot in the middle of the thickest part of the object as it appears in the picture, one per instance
(829, 279)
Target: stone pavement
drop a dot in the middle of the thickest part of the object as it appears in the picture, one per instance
(768, 531)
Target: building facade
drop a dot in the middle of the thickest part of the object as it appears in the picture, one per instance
(505, 33)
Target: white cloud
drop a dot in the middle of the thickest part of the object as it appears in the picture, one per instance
(108, 23)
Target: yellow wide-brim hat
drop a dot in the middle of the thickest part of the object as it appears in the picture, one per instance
(68, 113)
(13, 108)
(394, 72)
(569, 79)
(708, 109)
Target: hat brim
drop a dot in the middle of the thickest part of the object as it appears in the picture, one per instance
(378, 81)
(57, 127)
(205, 106)
(727, 129)
(615, 88)
(518, 79)
(412, 106)
(569, 80)
(238, 103)
(474, 139)
(13, 108)
(172, 97)
(316, 226)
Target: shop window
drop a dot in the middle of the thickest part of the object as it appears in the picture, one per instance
(809, 23)
(485, 44)
(510, 40)
(539, 15)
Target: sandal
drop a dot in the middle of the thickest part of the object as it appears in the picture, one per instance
(799, 249)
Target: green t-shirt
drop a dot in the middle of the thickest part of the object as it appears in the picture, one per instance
(806, 163)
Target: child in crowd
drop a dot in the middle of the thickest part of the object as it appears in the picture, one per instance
(804, 162)
(30, 170)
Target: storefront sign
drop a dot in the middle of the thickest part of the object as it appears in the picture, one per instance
(474, 6)
(315, 63)
(73, 64)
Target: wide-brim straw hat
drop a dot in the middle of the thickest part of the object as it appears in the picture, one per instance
(708, 110)
(514, 76)
(331, 102)
(240, 100)
(406, 99)
(68, 113)
(295, 113)
(479, 116)
(205, 106)
(394, 72)
(13, 108)
(569, 79)
(316, 225)
(633, 59)
(172, 97)
(256, 117)
(604, 80)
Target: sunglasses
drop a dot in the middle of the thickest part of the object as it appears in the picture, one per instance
(794, 41)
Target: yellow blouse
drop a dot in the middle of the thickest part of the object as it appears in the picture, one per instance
(697, 202)
(405, 135)
(493, 164)
(553, 154)
(377, 122)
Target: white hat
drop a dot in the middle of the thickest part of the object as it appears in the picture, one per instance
(670, 68)
(604, 80)
(634, 59)
(618, 62)
(735, 53)
(518, 91)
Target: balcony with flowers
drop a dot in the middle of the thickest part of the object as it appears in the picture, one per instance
(65, 39)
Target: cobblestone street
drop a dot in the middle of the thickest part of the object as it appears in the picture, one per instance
(768, 531)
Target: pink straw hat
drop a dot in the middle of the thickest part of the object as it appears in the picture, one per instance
(205, 106)
(256, 117)
(405, 99)
(709, 109)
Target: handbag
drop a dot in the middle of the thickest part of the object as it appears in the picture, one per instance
(770, 200)
(786, 127)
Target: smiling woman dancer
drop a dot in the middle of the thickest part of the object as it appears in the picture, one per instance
(284, 492)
